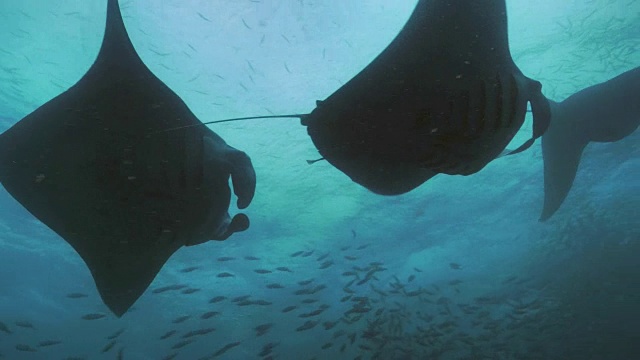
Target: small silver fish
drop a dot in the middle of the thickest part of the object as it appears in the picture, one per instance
(216, 299)
(4, 328)
(93, 316)
(181, 344)
(115, 334)
(25, 324)
(168, 334)
(189, 269)
(190, 291)
(77, 295)
(240, 298)
(25, 348)
(46, 343)
(208, 315)
(181, 319)
(109, 346)
(262, 328)
(225, 348)
(307, 325)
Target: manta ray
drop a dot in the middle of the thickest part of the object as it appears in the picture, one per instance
(445, 97)
(94, 165)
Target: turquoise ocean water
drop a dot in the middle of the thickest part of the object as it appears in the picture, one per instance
(459, 268)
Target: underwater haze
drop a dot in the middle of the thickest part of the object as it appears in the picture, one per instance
(459, 268)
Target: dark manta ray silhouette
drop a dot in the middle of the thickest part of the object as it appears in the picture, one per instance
(605, 112)
(94, 166)
(444, 97)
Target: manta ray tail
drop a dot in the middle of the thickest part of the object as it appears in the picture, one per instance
(604, 112)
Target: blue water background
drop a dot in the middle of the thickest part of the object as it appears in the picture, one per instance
(580, 268)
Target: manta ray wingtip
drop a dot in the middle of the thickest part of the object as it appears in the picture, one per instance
(561, 152)
(604, 112)
(118, 312)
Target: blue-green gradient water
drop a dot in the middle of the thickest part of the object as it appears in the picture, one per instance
(459, 268)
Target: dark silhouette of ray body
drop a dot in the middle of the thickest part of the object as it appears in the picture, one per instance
(94, 165)
(444, 97)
